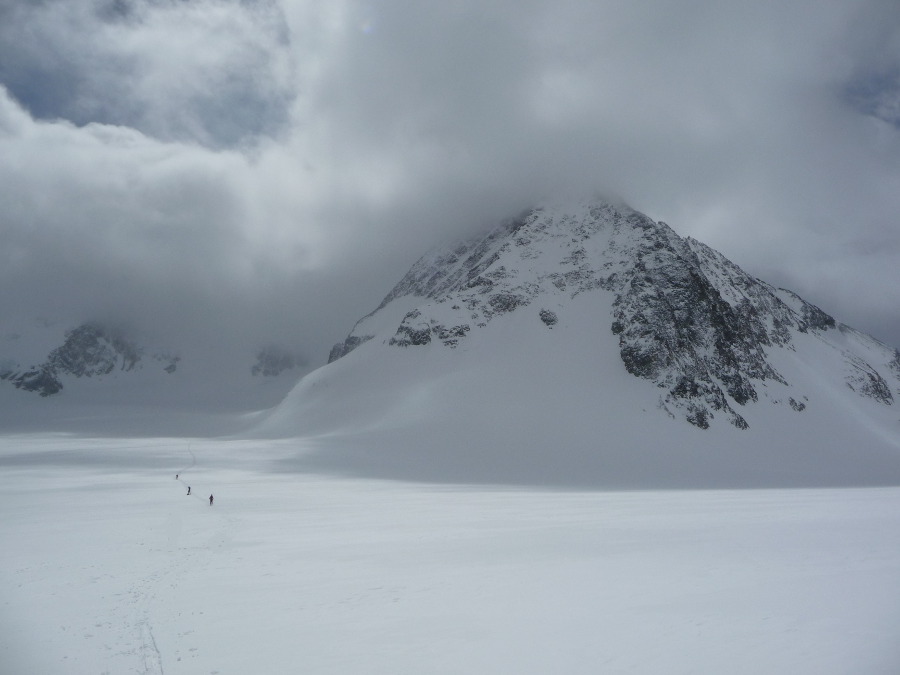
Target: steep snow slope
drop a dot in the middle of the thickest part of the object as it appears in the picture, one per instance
(589, 345)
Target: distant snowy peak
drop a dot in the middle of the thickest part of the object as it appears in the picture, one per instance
(90, 350)
(687, 319)
(95, 363)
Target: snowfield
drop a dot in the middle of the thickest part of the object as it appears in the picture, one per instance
(500, 495)
(107, 566)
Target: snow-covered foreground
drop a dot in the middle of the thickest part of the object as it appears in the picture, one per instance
(106, 566)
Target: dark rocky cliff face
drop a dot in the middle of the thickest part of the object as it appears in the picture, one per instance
(686, 318)
(41, 379)
(93, 351)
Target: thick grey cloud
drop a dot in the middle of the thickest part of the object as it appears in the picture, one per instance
(207, 71)
(248, 172)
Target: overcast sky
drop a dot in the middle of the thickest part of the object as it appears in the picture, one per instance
(246, 172)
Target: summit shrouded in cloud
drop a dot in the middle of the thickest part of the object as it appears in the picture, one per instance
(585, 344)
(232, 174)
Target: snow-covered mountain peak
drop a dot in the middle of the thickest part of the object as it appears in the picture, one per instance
(97, 374)
(685, 317)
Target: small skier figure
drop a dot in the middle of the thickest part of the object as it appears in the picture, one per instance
(210, 500)
(189, 489)
(176, 476)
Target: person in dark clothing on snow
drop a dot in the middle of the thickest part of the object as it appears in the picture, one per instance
(210, 500)
(189, 489)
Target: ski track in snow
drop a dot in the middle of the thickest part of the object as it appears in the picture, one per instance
(137, 640)
(195, 560)
(150, 656)
(125, 622)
